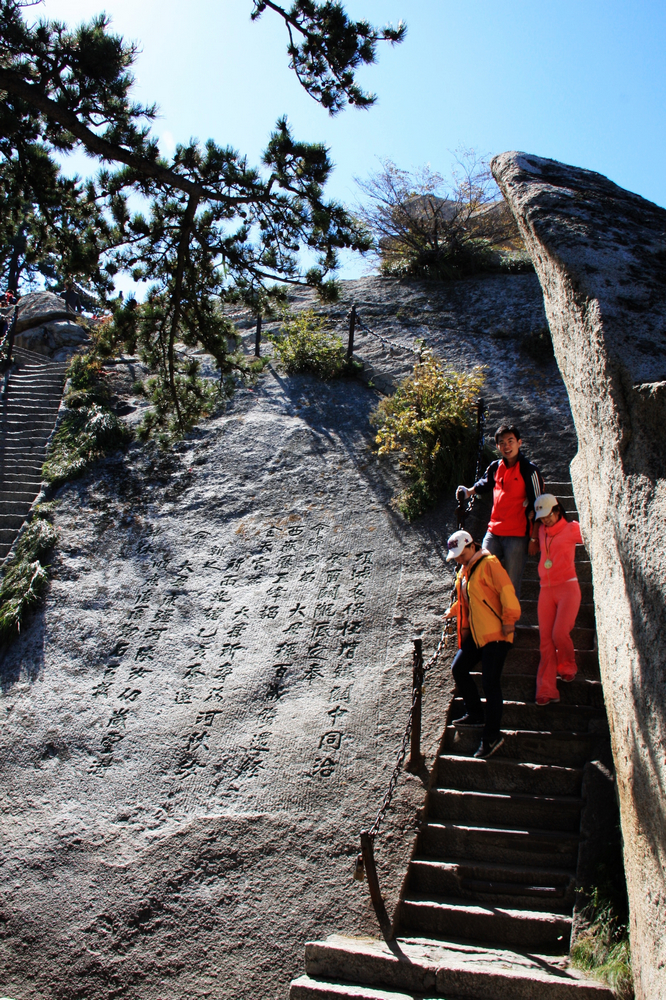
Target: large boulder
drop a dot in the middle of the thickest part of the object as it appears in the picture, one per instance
(600, 255)
(37, 308)
(57, 340)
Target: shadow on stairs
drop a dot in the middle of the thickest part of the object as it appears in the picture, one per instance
(487, 903)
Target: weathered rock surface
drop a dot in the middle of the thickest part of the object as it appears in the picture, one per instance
(497, 321)
(600, 254)
(37, 308)
(58, 339)
(207, 707)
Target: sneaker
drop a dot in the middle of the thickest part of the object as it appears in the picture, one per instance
(488, 749)
(567, 678)
(547, 701)
(469, 721)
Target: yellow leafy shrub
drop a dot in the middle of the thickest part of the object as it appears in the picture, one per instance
(431, 421)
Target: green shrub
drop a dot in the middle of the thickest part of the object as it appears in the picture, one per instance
(303, 345)
(89, 429)
(197, 398)
(602, 947)
(24, 576)
(431, 421)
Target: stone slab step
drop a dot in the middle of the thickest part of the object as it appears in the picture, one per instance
(22, 497)
(305, 988)
(527, 637)
(11, 521)
(490, 924)
(516, 886)
(566, 749)
(520, 809)
(526, 661)
(459, 841)
(551, 718)
(498, 774)
(426, 968)
(522, 687)
(13, 508)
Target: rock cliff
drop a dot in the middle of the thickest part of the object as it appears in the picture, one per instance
(600, 255)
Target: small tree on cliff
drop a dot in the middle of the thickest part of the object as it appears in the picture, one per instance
(426, 227)
(215, 227)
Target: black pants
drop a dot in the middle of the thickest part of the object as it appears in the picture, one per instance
(492, 657)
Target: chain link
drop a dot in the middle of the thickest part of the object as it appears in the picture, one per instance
(391, 344)
(402, 753)
(448, 631)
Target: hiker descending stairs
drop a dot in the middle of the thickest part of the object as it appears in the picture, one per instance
(29, 405)
(486, 909)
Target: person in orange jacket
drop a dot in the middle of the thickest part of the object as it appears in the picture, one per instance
(559, 596)
(487, 610)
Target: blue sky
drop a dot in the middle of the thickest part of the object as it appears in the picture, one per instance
(577, 80)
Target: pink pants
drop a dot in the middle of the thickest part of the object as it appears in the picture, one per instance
(558, 607)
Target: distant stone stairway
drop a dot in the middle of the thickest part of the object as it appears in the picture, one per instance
(28, 409)
(486, 909)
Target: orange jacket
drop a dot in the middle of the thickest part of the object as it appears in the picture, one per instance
(491, 598)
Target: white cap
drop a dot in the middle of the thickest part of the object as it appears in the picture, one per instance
(457, 542)
(544, 504)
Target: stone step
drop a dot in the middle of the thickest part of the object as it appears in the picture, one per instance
(425, 968)
(530, 591)
(36, 383)
(37, 423)
(522, 687)
(526, 661)
(16, 435)
(517, 886)
(554, 812)
(9, 509)
(520, 846)
(30, 401)
(527, 637)
(553, 718)
(490, 924)
(28, 474)
(305, 988)
(530, 614)
(21, 497)
(9, 522)
(499, 774)
(566, 749)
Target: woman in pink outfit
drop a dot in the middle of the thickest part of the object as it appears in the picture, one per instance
(559, 597)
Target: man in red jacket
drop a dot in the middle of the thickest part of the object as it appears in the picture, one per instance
(515, 483)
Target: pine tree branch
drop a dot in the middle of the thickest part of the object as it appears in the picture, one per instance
(13, 84)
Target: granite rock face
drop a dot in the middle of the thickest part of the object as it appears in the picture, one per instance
(58, 339)
(37, 308)
(600, 255)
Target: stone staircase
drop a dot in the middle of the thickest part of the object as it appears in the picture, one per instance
(28, 408)
(486, 908)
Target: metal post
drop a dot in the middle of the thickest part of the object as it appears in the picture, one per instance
(10, 337)
(352, 327)
(416, 758)
(367, 850)
(257, 339)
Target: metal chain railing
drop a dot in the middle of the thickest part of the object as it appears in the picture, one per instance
(390, 344)
(365, 866)
(417, 692)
